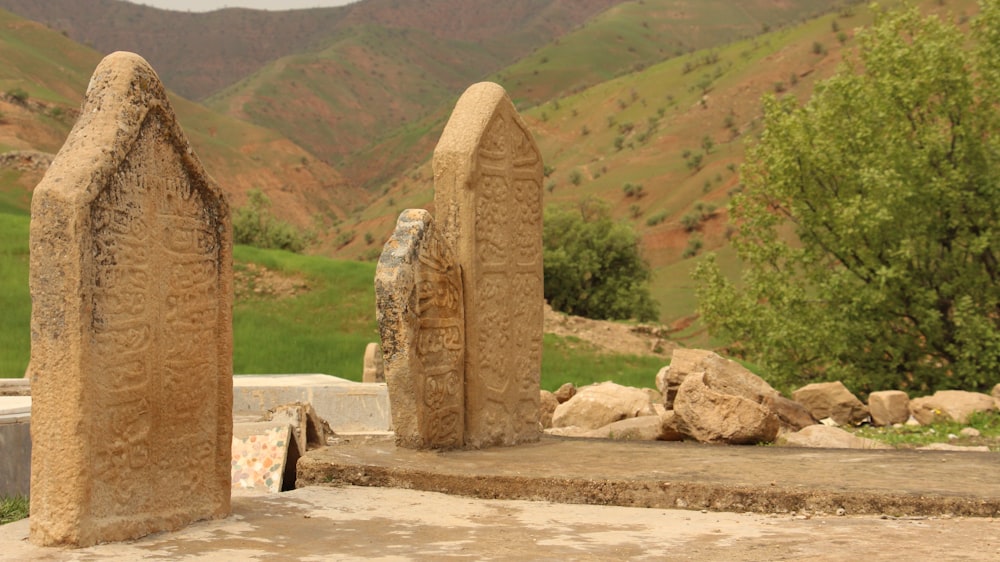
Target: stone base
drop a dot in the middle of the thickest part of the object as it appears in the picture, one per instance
(348, 406)
(15, 444)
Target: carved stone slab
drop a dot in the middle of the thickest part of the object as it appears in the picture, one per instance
(488, 199)
(373, 368)
(418, 291)
(131, 327)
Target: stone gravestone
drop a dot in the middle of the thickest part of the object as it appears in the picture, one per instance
(418, 290)
(373, 367)
(131, 327)
(488, 201)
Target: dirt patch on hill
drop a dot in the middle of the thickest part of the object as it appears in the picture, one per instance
(252, 281)
(611, 337)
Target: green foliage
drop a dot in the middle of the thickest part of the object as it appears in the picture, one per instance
(572, 360)
(593, 265)
(13, 509)
(656, 218)
(254, 225)
(18, 95)
(869, 222)
(15, 302)
(575, 177)
(941, 431)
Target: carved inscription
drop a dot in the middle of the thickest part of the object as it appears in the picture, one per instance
(420, 314)
(488, 178)
(155, 308)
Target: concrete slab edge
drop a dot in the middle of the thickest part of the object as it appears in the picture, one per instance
(629, 493)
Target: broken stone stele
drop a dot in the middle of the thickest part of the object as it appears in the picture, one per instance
(131, 327)
(488, 201)
(418, 291)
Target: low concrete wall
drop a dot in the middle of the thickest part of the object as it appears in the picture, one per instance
(15, 446)
(348, 406)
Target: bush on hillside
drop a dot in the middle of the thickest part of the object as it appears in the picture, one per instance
(254, 225)
(593, 266)
(888, 178)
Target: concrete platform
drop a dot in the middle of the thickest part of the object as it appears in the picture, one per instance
(350, 523)
(685, 475)
(15, 445)
(348, 406)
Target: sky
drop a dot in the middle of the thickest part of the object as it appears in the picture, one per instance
(209, 5)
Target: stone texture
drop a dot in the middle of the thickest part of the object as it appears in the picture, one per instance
(547, 406)
(264, 456)
(418, 291)
(131, 283)
(565, 392)
(956, 405)
(958, 448)
(831, 400)
(644, 428)
(888, 407)
(827, 437)
(374, 367)
(729, 377)
(598, 405)
(668, 424)
(488, 199)
(713, 416)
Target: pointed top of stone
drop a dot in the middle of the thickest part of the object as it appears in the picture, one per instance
(123, 93)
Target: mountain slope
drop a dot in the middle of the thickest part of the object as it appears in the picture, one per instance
(200, 53)
(43, 81)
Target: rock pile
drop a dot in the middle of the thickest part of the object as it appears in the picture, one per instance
(707, 398)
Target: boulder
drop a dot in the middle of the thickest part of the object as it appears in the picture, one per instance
(661, 381)
(565, 392)
(668, 424)
(888, 407)
(654, 395)
(645, 428)
(598, 405)
(956, 405)
(713, 416)
(568, 431)
(831, 400)
(792, 415)
(729, 377)
(995, 393)
(827, 437)
(547, 407)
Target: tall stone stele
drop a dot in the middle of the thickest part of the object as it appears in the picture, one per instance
(488, 205)
(459, 299)
(131, 326)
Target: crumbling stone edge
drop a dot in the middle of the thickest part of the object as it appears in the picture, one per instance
(651, 494)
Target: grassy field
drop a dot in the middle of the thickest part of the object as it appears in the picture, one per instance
(322, 330)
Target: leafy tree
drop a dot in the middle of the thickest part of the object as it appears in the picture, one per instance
(593, 265)
(254, 225)
(869, 225)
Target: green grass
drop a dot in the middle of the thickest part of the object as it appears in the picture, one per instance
(13, 509)
(324, 330)
(572, 360)
(15, 302)
(908, 437)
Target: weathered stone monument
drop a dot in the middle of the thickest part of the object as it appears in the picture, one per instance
(131, 327)
(488, 197)
(418, 289)
(373, 369)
